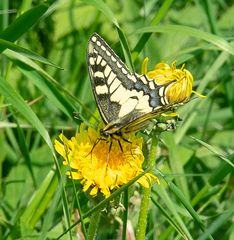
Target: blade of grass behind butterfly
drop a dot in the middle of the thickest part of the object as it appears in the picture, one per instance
(190, 114)
(41, 199)
(99, 4)
(185, 202)
(208, 8)
(218, 223)
(220, 42)
(104, 8)
(173, 209)
(217, 176)
(186, 54)
(177, 158)
(16, 100)
(29, 64)
(156, 20)
(50, 213)
(172, 222)
(125, 48)
(217, 152)
(24, 150)
(23, 23)
(26, 52)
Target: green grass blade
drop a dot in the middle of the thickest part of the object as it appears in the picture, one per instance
(125, 214)
(106, 10)
(38, 75)
(17, 101)
(220, 42)
(125, 48)
(217, 223)
(221, 172)
(28, 53)
(172, 222)
(23, 23)
(25, 152)
(177, 155)
(216, 178)
(49, 91)
(214, 150)
(171, 207)
(210, 13)
(156, 20)
(192, 112)
(187, 205)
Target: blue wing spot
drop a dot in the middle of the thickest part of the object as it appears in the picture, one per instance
(146, 89)
(153, 94)
(138, 85)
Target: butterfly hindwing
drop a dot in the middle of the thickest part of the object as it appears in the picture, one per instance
(125, 100)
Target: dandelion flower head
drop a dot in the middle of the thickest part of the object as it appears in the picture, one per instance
(179, 80)
(99, 167)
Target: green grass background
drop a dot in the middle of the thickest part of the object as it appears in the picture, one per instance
(44, 80)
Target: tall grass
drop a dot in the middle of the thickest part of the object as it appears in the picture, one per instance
(44, 80)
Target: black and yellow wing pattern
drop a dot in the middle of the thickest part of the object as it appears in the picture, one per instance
(126, 100)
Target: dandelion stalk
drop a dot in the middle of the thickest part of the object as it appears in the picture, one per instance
(142, 219)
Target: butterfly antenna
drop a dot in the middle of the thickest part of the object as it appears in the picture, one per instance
(94, 145)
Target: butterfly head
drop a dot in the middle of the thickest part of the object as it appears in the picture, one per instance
(104, 134)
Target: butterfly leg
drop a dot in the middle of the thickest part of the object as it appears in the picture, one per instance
(108, 155)
(125, 140)
(120, 146)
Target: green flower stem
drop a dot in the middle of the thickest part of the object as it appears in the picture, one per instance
(94, 223)
(142, 219)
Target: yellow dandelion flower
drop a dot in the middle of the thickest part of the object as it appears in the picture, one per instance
(180, 81)
(99, 167)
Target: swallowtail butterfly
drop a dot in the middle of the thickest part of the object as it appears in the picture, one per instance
(126, 100)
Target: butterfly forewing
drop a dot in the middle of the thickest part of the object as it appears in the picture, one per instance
(125, 100)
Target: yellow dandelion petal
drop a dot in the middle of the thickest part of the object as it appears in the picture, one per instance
(94, 191)
(99, 168)
(147, 179)
(59, 147)
(86, 184)
(144, 182)
(74, 175)
(106, 192)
